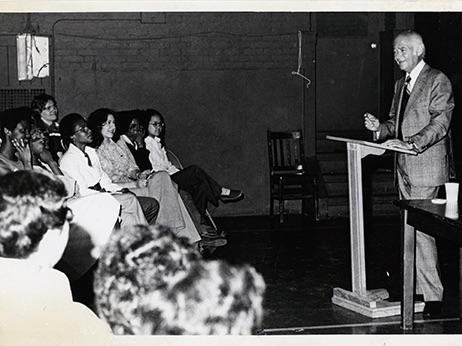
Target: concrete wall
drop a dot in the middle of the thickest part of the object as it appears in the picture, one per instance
(220, 79)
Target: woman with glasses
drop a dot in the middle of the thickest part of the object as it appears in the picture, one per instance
(118, 163)
(81, 163)
(203, 188)
(95, 215)
(131, 130)
(46, 116)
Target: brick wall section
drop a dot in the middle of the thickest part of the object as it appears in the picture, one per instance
(187, 41)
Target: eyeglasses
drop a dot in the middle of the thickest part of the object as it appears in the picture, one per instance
(156, 123)
(83, 128)
(49, 108)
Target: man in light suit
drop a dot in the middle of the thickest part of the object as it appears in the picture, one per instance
(419, 120)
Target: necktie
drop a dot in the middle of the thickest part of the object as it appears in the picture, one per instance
(404, 99)
(88, 158)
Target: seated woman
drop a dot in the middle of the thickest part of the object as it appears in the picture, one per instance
(14, 131)
(118, 163)
(46, 114)
(193, 179)
(149, 281)
(95, 216)
(81, 163)
(35, 300)
(131, 133)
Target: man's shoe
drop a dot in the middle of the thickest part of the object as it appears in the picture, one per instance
(233, 196)
(433, 308)
(205, 241)
(208, 232)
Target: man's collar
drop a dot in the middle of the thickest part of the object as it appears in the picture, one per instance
(128, 140)
(415, 72)
(73, 149)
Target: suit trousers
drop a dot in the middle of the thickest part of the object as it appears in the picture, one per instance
(131, 213)
(150, 208)
(171, 211)
(428, 280)
(200, 185)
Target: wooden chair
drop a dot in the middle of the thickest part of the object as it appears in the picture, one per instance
(290, 178)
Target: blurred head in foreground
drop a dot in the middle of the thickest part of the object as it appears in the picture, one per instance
(33, 217)
(150, 281)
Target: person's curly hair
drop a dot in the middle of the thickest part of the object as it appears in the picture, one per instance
(149, 281)
(212, 298)
(136, 261)
(31, 203)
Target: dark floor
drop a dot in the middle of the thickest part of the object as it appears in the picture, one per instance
(302, 261)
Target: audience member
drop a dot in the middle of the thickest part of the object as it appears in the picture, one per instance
(46, 113)
(131, 132)
(193, 179)
(95, 215)
(149, 281)
(118, 163)
(35, 300)
(131, 129)
(81, 163)
(14, 131)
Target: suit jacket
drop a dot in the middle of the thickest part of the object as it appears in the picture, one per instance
(141, 156)
(426, 121)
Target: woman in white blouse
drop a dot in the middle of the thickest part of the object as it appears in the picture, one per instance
(203, 188)
(95, 215)
(81, 163)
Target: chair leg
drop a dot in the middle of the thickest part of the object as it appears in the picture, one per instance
(211, 219)
(315, 198)
(281, 211)
(281, 201)
(271, 212)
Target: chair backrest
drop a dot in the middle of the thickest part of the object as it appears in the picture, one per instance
(286, 152)
(174, 159)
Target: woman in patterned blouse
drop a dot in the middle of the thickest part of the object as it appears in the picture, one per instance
(119, 164)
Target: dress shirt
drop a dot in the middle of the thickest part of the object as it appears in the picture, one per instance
(158, 156)
(116, 160)
(75, 165)
(129, 141)
(415, 74)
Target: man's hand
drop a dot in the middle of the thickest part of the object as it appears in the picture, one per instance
(398, 143)
(371, 122)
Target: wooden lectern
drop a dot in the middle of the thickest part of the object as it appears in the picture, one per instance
(370, 303)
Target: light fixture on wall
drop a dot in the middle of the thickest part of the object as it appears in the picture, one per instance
(33, 53)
